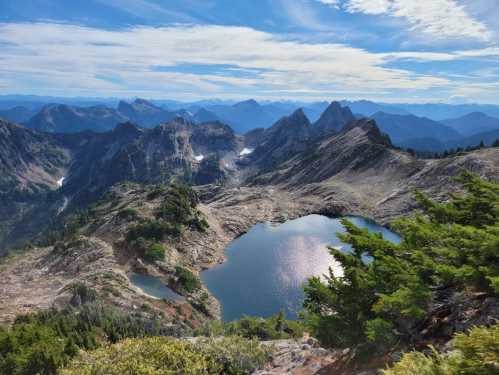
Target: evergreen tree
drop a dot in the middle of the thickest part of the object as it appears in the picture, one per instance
(380, 301)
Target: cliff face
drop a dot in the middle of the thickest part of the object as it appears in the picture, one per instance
(31, 165)
(75, 169)
(282, 140)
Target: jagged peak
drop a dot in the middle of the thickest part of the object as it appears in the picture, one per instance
(371, 129)
(333, 119)
(299, 116)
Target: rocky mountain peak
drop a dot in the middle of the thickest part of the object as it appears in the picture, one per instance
(299, 117)
(333, 119)
(370, 129)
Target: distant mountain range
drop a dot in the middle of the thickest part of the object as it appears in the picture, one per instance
(473, 123)
(423, 134)
(18, 114)
(404, 127)
(62, 118)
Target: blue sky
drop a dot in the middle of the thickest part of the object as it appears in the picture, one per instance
(384, 50)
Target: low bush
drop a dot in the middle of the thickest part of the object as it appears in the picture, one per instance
(234, 355)
(273, 328)
(155, 252)
(167, 356)
(128, 214)
(41, 343)
(187, 280)
(149, 356)
(157, 230)
(474, 354)
(180, 207)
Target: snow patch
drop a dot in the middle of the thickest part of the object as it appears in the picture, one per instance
(60, 181)
(63, 206)
(246, 151)
(199, 157)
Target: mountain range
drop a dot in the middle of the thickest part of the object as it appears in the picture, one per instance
(404, 128)
(51, 174)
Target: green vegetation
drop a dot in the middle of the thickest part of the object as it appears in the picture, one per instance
(155, 252)
(180, 206)
(166, 356)
(128, 214)
(186, 280)
(450, 152)
(377, 302)
(473, 354)
(233, 355)
(155, 355)
(43, 342)
(177, 211)
(273, 328)
(156, 230)
(148, 250)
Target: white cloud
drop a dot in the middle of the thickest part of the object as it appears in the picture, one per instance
(76, 58)
(63, 59)
(333, 3)
(368, 6)
(442, 19)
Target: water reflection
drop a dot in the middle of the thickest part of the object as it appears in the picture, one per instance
(266, 268)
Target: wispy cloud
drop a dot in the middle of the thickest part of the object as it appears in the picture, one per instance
(442, 19)
(147, 10)
(302, 14)
(52, 58)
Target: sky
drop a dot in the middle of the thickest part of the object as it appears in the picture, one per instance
(382, 50)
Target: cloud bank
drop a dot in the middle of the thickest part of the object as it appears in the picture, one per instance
(221, 61)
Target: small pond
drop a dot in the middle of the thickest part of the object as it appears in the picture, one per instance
(266, 267)
(154, 287)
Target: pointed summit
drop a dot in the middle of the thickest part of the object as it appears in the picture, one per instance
(370, 129)
(299, 116)
(333, 119)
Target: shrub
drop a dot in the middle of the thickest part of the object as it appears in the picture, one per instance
(155, 252)
(156, 355)
(273, 328)
(234, 355)
(187, 280)
(180, 206)
(167, 356)
(128, 214)
(156, 191)
(473, 354)
(156, 230)
(41, 343)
